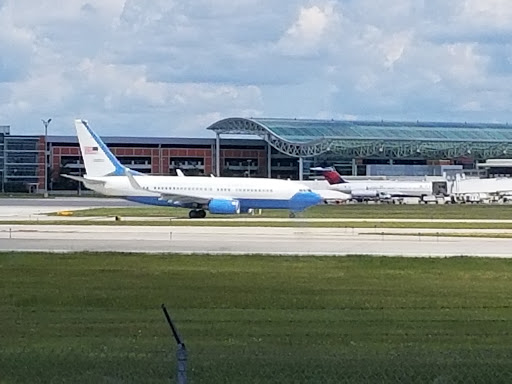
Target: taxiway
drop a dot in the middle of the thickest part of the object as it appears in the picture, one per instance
(296, 240)
(242, 240)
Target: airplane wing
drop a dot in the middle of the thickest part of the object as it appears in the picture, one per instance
(184, 199)
(177, 198)
(83, 179)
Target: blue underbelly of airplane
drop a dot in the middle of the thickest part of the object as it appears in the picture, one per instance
(245, 204)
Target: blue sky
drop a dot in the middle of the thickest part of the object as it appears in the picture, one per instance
(173, 67)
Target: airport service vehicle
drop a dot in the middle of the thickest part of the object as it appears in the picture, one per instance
(473, 190)
(218, 195)
(364, 190)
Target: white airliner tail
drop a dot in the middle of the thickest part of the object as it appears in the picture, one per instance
(98, 159)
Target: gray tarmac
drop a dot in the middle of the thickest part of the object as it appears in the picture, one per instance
(34, 209)
(14, 209)
(243, 240)
(296, 240)
(70, 202)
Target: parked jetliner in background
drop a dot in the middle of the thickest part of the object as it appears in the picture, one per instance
(377, 189)
(218, 195)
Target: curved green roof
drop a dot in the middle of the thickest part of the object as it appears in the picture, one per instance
(301, 137)
(307, 130)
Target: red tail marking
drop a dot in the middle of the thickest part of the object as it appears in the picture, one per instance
(333, 177)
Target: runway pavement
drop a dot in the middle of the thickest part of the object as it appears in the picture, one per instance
(14, 209)
(70, 202)
(242, 240)
(238, 240)
(32, 209)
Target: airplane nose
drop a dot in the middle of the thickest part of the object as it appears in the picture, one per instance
(303, 200)
(316, 198)
(312, 198)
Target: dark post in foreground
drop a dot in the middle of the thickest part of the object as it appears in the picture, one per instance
(181, 353)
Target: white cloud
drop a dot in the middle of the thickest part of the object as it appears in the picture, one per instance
(307, 33)
(394, 47)
(172, 65)
(464, 65)
(488, 13)
(471, 106)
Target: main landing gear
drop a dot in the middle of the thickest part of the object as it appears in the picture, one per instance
(197, 214)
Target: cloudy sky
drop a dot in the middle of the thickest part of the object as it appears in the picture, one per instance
(173, 67)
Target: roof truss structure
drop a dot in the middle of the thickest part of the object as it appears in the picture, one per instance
(249, 127)
(305, 144)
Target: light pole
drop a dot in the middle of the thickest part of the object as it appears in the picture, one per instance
(46, 123)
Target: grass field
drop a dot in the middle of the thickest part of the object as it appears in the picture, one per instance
(95, 318)
(483, 235)
(409, 211)
(345, 225)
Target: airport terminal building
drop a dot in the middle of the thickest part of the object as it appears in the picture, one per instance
(282, 148)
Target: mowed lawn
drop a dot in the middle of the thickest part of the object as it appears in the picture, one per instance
(96, 318)
(346, 211)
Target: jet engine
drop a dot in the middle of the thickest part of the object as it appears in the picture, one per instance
(224, 206)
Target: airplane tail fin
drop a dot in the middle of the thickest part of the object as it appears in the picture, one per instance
(331, 175)
(98, 159)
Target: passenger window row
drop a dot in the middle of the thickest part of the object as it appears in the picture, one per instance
(210, 189)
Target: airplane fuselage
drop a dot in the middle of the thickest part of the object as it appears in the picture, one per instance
(252, 193)
(386, 186)
(376, 188)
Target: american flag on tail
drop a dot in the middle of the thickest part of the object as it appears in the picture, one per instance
(90, 150)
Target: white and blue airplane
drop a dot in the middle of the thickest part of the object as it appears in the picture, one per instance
(218, 195)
